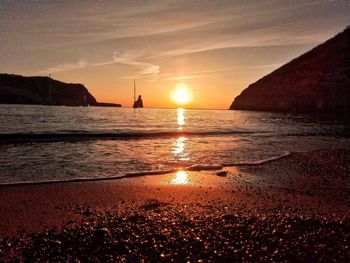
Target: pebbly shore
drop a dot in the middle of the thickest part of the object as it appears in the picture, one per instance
(296, 209)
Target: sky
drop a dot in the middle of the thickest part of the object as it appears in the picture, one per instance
(215, 47)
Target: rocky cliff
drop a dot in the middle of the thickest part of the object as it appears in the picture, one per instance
(15, 89)
(318, 81)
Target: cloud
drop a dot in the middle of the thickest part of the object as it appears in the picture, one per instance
(212, 72)
(65, 67)
(161, 29)
(144, 69)
(266, 37)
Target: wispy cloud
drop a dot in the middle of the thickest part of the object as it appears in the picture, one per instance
(143, 69)
(64, 67)
(200, 74)
(194, 74)
(266, 37)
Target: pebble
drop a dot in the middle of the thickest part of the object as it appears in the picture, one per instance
(196, 234)
(215, 232)
(221, 173)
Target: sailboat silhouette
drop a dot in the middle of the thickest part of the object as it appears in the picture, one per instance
(137, 103)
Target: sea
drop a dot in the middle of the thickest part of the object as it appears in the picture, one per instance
(58, 143)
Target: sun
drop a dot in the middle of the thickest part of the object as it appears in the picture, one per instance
(181, 94)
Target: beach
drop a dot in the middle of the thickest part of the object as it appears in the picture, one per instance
(296, 208)
(175, 131)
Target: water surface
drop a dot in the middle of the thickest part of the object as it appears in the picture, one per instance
(46, 143)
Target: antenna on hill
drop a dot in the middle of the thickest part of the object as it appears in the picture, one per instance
(50, 91)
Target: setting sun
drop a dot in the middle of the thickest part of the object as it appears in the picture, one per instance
(181, 94)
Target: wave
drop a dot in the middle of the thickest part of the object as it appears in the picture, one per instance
(84, 136)
(6, 138)
(193, 168)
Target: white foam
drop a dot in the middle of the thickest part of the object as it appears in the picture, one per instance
(204, 167)
(196, 167)
(259, 162)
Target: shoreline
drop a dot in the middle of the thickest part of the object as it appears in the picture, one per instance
(307, 191)
(198, 168)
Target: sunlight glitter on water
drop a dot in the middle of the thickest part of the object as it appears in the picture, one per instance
(180, 118)
(179, 149)
(180, 178)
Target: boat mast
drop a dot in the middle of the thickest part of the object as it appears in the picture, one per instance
(134, 91)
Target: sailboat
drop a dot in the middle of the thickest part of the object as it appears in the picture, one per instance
(137, 103)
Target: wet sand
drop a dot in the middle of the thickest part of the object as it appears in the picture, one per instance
(294, 209)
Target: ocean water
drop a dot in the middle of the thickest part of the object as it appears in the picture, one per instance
(50, 143)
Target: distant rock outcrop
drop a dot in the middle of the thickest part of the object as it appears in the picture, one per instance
(318, 81)
(15, 89)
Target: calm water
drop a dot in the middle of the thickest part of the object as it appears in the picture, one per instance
(41, 143)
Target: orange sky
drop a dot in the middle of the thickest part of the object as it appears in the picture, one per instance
(217, 48)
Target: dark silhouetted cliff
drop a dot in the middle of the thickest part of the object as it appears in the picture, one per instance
(15, 89)
(318, 81)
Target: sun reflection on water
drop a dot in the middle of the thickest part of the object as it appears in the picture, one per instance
(180, 117)
(179, 146)
(180, 178)
(179, 149)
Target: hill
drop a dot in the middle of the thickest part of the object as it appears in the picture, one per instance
(15, 89)
(317, 81)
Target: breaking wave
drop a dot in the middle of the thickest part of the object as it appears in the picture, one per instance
(81, 136)
(195, 168)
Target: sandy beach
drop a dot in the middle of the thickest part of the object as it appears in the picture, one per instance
(293, 209)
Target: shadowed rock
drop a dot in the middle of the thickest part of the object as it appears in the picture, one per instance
(15, 89)
(317, 81)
